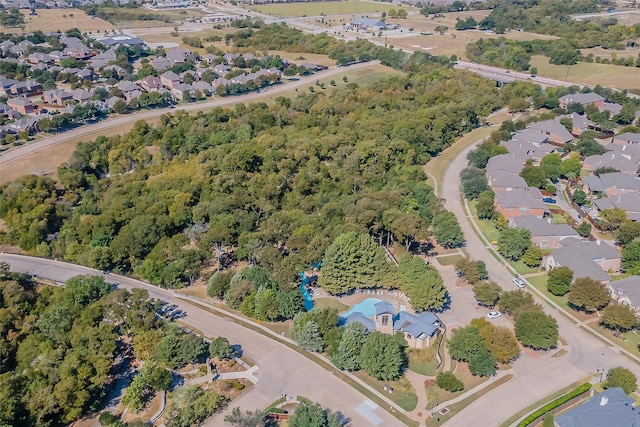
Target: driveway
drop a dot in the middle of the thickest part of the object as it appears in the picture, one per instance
(281, 369)
(536, 375)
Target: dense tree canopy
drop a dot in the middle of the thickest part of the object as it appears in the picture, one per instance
(537, 330)
(274, 185)
(588, 294)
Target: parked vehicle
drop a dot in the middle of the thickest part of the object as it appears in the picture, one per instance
(518, 282)
(550, 200)
(493, 314)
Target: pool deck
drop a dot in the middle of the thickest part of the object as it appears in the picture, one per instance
(398, 300)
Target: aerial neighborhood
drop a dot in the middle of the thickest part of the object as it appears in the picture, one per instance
(316, 213)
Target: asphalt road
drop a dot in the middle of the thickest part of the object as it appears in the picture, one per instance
(536, 374)
(281, 369)
(116, 121)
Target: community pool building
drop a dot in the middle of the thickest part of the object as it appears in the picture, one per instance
(418, 329)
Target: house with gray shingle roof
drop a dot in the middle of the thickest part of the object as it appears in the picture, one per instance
(627, 138)
(519, 202)
(583, 99)
(611, 408)
(585, 259)
(611, 184)
(627, 291)
(617, 160)
(544, 233)
(630, 203)
(513, 163)
(506, 181)
(554, 130)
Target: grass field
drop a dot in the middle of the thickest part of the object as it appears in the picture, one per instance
(424, 361)
(591, 73)
(403, 394)
(322, 303)
(288, 10)
(48, 20)
(449, 259)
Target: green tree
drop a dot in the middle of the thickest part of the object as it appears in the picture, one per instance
(474, 182)
(499, 340)
(534, 176)
(464, 342)
(550, 164)
(579, 196)
(514, 242)
(239, 418)
(537, 330)
(220, 348)
(584, 229)
(631, 257)
(137, 393)
(352, 261)
(309, 414)
(448, 382)
(619, 317)
(623, 378)
(487, 293)
(422, 284)
(485, 205)
(532, 257)
(559, 279)
(588, 294)
(83, 290)
(516, 302)
(482, 363)
(478, 159)
(309, 337)
(219, 283)
(612, 219)
(570, 168)
(628, 231)
(347, 355)
(192, 405)
(120, 106)
(382, 356)
(447, 231)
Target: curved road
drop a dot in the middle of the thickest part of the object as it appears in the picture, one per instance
(536, 375)
(281, 369)
(113, 122)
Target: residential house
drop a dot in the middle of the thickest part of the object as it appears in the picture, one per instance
(221, 69)
(529, 136)
(26, 124)
(520, 202)
(579, 123)
(418, 329)
(103, 59)
(555, 130)
(81, 95)
(630, 203)
(368, 24)
(85, 74)
(611, 408)
(627, 291)
(116, 71)
(177, 55)
(544, 233)
(203, 87)
(506, 181)
(5, 85)
(528, 150)
(5, 46)
(624, 162)
(229, 58)
(57, 55)
(182, 90)
(583, 99)
(505, 162)
(127, 88)
(627, 138)
(611, 184)
(74, 47)
(39, 57)
(122, 40)
(160, 63)
(585, 259)
(612, 107)
(27, 88)
(21, 105)
(170, 79)
(57, 97)
(150, 83)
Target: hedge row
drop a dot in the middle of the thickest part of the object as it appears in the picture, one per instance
(554, 404)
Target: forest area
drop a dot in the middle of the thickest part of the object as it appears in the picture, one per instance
(270, 184)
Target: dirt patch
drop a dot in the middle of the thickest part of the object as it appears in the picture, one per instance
(48, 20)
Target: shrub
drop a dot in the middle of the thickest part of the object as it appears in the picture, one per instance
(235, 384)
(448, 381)
(554, 404)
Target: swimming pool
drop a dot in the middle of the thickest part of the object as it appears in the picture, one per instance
(367, 307)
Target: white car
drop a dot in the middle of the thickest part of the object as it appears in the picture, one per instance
(518, 282)
(493, 314)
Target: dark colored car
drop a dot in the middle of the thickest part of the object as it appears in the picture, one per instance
(549, 200)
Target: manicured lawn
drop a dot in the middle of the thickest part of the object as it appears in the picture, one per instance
(628, 340)
(322, 303)
(403, 394)
(462, 373)
(559, 219)
(449, 259)
(522, 268)
(322, 8)
(540, 283)
(423, 361)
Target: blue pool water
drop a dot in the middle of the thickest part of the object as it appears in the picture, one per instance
(308, 302)
(366, 307)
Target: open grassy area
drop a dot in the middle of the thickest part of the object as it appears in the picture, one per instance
(522, 268)
(630, 341)
(436, 394)
(457, 407)
(328, 303)
(423, 361)
(590, 73)
(449, 259)
(48, 20)
(287, 10)
(403, 394)
(540, 283)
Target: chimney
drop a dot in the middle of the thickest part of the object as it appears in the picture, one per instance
(549, 220)
(604, 400)
(598, 242)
